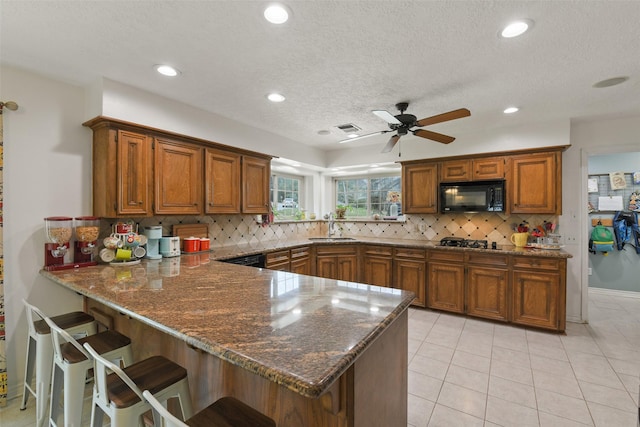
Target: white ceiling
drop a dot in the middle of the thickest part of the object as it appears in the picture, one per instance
(335, 61)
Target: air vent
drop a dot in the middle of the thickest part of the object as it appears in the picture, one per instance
(348, 128)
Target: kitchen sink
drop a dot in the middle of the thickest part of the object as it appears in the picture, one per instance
(330, 239)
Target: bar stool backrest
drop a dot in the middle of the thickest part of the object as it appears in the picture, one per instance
(32, 311)
(59, 337)
(103, 367)
(161, 416)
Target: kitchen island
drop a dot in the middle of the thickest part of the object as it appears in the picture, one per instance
(303, 350)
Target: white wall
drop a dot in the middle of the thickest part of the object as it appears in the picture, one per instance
(47, 172)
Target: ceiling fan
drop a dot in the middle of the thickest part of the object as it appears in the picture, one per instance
(403, 124)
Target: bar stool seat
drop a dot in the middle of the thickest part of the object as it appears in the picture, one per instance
(72, 364)
(118, 392)
(224, 412)
(39, 357)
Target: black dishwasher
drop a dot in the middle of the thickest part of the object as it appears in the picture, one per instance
(248, 260)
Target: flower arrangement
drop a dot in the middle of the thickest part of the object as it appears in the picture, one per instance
(393, 197)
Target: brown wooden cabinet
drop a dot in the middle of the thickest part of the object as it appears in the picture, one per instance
(534, 183)
(222, 181)
(487, 284)
(484, 168)
(177, 178)
(420, 187)
(279, 260)
(301, 260)
(122, 172)
(410, 272)
(337, 262)
(377, 265)
(445, 281)
(255, 185)
(539, 292)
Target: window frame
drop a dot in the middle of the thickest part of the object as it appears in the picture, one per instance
(293, 213)
(368, 177)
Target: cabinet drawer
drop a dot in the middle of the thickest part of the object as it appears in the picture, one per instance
(336, 250)
(487, 259)
(385, 251)
(537, 263)
(419, 254)
(300, 252)
(446, 256)
(277, 257)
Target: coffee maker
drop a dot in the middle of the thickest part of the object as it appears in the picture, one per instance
(87, 230)
(58, 231)
(154, 234)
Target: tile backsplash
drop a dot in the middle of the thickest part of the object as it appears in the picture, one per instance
(242, 229)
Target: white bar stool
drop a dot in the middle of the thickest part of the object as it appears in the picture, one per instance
(117, 392)
(224, 412)
(72, 363)
(40, 353)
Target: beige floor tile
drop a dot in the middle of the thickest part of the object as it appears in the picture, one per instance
(512, 372)
(553, 366)
(632, 384)
(506, 413)
(605, 416)
(446, 417)
(549, 420)
(476, 345)
(427, 366)
(471, 361)
(418, 411)
(463, 399)
(557, 353)
(512, 391)
(511, 356)
(424, 386)
(563, 384)
(436, 352)
(544, 338)
(612, 397)
(563, 406)
(468, 378)
(518, 343)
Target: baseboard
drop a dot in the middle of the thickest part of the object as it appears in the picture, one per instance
(614, 292)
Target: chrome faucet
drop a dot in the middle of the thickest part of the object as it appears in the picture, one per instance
(332, 225)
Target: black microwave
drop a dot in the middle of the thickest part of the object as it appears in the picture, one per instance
(472, 196)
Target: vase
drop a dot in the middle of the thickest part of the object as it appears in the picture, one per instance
(393, 210)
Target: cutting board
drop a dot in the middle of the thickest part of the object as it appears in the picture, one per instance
(190, 230)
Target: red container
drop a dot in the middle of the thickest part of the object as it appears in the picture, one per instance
(191, 244)
(205, 244)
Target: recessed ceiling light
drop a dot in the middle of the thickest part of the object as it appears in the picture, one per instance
(167, 70)
(516, 28)
(276, 14)
(353, 135)
(323, 132)
(511, 110)
(611, 82)
(275, 97)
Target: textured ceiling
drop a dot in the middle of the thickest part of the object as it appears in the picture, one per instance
(335, 61)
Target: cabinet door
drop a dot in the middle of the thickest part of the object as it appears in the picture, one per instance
(420, 188)
(348, 268)
(178, 178)
(487, 292)
(134, 173)
(445, 287)
(222, 182)
(455, 170)
(409, 275)
(377, 263)
(487, 168)
(533, 183)
(327, 266)
(537, 297)
(255, 185)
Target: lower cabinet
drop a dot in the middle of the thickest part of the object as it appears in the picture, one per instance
(279, 261)
(409, 272)
(487, 280)
(445, 281)
(338, 262)
(377, 265)
(539, 292)
(301, 260)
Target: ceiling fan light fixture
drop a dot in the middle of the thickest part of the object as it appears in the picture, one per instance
(276, 14)
(511, 110)
(516, 28)
(167, 70)
(275, 97)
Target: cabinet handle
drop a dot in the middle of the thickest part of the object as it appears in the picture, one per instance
(140, 202)
(210, 204)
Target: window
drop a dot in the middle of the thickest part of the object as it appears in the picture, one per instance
(366, 197)
(286, 194)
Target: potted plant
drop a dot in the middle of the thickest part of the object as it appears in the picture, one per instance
(340, 211)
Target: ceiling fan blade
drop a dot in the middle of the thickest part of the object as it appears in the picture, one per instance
(387, 117)
(423, 133)
(390, 144)
(363, 136)
(451, 115)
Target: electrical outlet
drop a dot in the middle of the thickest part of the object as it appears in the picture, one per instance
(422, 227)
(590, 271)
(570, 238)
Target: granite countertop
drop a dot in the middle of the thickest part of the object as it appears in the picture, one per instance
(229, 251)
(301, 332)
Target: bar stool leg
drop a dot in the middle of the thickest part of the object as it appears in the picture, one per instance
(28, 372)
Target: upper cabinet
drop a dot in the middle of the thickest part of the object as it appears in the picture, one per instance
(222, 182)
(140, 171)
(419, 187)
(472, 169)
(255, 185)
(177, 178)
(534, 184)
